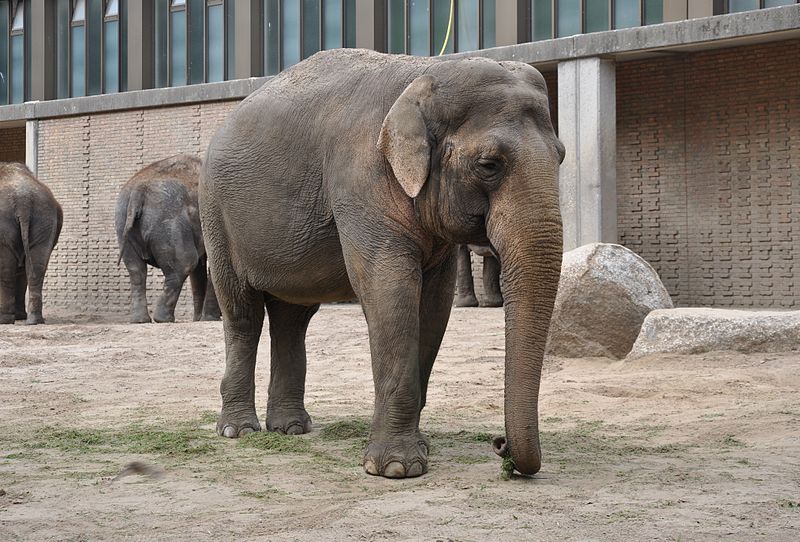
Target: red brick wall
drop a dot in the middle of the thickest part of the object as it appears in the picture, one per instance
(708, 173)
(12, 144)
(85, 160)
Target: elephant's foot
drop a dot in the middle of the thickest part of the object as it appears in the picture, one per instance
(235, 422)
(492, 301)
(34, 318)
(140, 318)
(468, 300)
(163, 315)
(21, 315)
(210, 318)
(7, 318)
(294, 421)
(397, 456)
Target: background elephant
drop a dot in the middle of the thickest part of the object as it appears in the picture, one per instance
(30, 223)
(157, 223)
(355, 174)
(465, 287)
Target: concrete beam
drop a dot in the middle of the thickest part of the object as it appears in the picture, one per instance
(141, 24)
(587, 127)
(32, 146)
(42, 50)
(249, 56)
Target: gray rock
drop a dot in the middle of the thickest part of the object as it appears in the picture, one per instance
(696, 330)
(606, 290)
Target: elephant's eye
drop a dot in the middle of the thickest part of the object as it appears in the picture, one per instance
(488, 167)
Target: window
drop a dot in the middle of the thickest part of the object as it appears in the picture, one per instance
(742, 5)
(177, 43)
(215, 41)
(570, 17)
(12, 49)
(78, 49)
(111, 47)
(296, 29)
(425, 27)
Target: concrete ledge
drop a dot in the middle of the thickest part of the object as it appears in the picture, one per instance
(714, 31)
(697, 330)
(139, 99)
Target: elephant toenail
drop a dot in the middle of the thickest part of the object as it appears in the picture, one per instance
(416, 469)
(294, 429)
(370, 468)
(246, 431)
(229, 431)
(395, 469)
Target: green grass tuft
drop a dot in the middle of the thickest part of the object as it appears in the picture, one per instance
(345, 430)
(276, 443)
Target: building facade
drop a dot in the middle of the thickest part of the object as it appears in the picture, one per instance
(681, 118)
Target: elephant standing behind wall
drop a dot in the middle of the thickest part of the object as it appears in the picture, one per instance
(30, 223)
(157, 223)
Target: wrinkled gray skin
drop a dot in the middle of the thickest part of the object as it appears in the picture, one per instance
(465, 287)
(30, 223)
(157, 223)
(355, 174)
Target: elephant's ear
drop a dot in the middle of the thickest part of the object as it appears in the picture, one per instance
(404, 136)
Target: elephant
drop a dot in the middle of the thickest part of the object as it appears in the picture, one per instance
(30, 224)
(157, 223)
(354, 175)
(465, 288)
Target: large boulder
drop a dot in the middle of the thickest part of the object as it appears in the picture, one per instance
(606, 290)
(696, 330)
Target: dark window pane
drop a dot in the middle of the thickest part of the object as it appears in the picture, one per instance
(742, 5)
(626, 14)
(310, 27)
(94, 46)
(195, 44)
(177, 48)
(467, 25)
(569, 17)
(350, 23)
(5, 22)
(161, 47)
(111, 57)
(272, 59)
(489, 23)
(776, 3)
(78, 61)
(290, 38)
(397, 26)
(441, 16)
(331, 24)
(216, 43)
(653, 11)
(123, 45)
(596, 17)
(419, 27)
(542, 19)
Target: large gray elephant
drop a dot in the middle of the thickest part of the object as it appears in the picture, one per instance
(157, 223)
(465, 286)
(30, 223)
(353, 175)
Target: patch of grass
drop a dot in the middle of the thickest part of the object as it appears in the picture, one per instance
(449, 438)
(263, 494)
(732, 442)
(208, 416)
(785, 503)
(345, 430)
(276, 443)
(507, 468)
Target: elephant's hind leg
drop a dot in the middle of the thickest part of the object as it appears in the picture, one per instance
(8, 274)
(137, 271)
(173, 283)
(242, 321)
(492, 296)
(21, 287)
(288, 323)
(198, 279)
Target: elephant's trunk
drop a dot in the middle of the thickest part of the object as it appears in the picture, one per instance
(524, 226)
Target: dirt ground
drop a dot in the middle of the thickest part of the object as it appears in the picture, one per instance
(672, 447)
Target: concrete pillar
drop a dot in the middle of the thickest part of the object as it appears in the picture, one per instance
(247, 21)
(700, 8)
(141, 70)
(506, 22)
(42, 50)
(368, 29)
(32, 146)
(675, 10)
(587, 127)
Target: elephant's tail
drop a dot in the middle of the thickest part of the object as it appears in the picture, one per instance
(135, 203)
(24, 219)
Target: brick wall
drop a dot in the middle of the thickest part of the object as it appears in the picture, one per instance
(12, 144)
(85, 160)
(708, 173)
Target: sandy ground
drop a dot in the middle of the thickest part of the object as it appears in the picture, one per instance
(701, 447)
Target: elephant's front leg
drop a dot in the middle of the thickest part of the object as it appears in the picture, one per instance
(465, 287)
(492, 296)
(390, 293)
(286, 412)
(173, 283)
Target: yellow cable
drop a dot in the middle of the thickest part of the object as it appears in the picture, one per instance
(449, 27)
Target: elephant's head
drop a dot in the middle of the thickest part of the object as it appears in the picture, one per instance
(473, 143)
